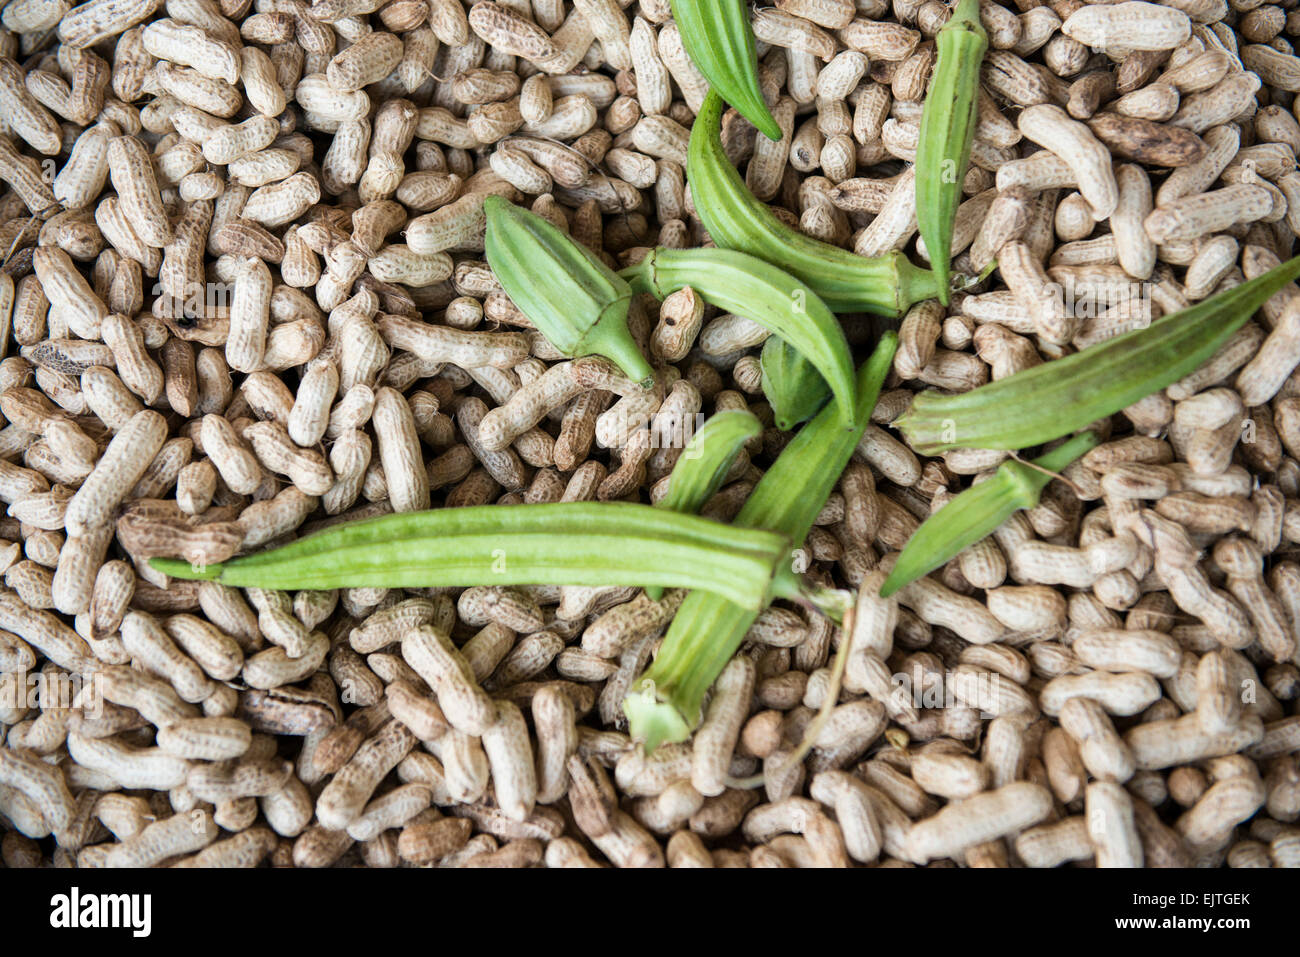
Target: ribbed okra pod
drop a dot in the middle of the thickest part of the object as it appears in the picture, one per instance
(704, 464)
(947, 131)
(720, 42)
(567, 543)
(573, 298)
(761, 292)
(707, 630)
(1065, 395)
(976, 512)
(885, 285)
(794, 389)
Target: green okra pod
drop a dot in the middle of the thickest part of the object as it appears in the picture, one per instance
(886, 285)
(720, 42)
(573, 298)
(707, 630)
(947, 131)
(704, 464)
(794, 389)
(1065, 395)
(566, 543)
(976, 512)
(759, 291)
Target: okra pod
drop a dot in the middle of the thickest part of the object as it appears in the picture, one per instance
(794, 389)
(885, 285)
(947, 131)
(761, 292)
(704, 464)
(720, 42)
(573, 298)
(707, 630)
(563, 543)
(1063, 396)
(976, 512)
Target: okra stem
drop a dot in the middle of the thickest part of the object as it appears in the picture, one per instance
(886, 285)
(845, 620)
(707, 630)
(573, 298)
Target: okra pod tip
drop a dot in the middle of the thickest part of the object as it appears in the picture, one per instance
(793, 388)
(186, 570)
(720, 42)
(947, 131)
(1056, 398)
(979, 510)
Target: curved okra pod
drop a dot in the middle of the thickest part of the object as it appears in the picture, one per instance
(1065, 395)
(704, 464)
(566, 543)
(759, 291)
(976, 512)
(794, 389)
(886, 285)
(707, 630)
(720, 42)
(573, 298)
(947, 131)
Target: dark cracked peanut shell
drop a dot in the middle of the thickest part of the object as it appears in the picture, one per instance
(1146, 141)
(285, 711)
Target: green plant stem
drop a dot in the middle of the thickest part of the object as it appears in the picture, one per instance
(666, 701)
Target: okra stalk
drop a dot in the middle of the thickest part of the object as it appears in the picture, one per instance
(886, 285)
(565, 543)
(947, 131)
(720, 42)
(1062, 396)
(707, 630)
(978, 511)
(759, 291)
(704, 464)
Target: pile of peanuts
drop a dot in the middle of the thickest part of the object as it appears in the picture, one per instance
(242, 272)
